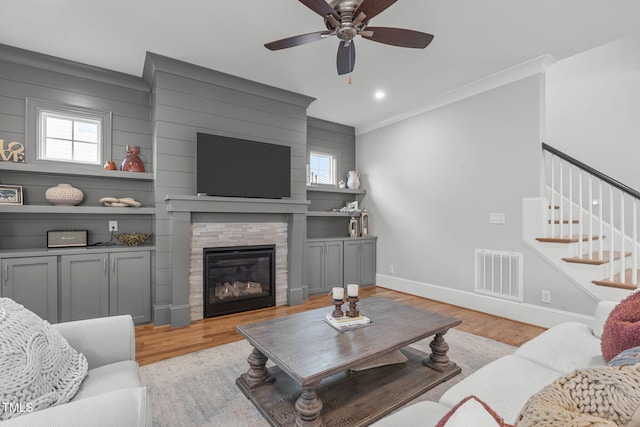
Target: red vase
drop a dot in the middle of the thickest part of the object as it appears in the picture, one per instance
(132, 162)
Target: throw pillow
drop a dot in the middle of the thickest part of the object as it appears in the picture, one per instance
(472, 411)
(38, 368)
(603, 396)
(622, 328)
(629, 357)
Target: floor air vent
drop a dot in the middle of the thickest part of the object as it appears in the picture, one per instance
(499, 274)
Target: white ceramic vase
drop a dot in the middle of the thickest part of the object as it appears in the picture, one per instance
(353, 180)
(64, 194)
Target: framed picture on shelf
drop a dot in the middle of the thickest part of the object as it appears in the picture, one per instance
(10, 194)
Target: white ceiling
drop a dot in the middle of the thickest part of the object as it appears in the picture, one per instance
(473, 39)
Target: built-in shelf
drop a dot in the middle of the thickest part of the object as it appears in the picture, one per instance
(329, 214)
(74, 171)
(51, 209)
(329, 189)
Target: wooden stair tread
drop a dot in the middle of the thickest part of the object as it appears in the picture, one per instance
(617, 283)
(564, 221)
(564, 239)
(594, 260)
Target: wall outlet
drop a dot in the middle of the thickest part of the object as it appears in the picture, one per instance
(545, 296)
(113, 226)
(391, 269)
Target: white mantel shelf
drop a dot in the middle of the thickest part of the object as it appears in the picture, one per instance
(182, 203)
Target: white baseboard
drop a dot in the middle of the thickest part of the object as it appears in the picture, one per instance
(521, 312)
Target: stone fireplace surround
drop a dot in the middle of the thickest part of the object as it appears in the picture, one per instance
(205, 221)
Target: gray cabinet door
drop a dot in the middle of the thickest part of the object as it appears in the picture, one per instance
(130, 285)
(333, 265)
(32, 282)
(368, 262)
(352, 250)
(315, 267)
(84, 286)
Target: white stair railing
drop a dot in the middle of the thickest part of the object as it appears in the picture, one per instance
(603, 208)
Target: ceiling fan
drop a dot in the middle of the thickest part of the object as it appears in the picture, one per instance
(347, 19)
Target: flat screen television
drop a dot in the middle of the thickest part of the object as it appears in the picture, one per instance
(235, 167)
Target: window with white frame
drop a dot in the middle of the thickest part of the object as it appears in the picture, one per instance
(69, 134)
(322, 167)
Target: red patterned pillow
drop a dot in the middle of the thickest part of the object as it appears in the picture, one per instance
(622, 328)
(472, 411)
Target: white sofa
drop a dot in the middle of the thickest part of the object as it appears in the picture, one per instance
(507, 383)
(111, 395)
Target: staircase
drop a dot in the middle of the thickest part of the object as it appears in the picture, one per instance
(586, 224)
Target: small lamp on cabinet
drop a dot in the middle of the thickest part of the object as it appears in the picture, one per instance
(364, 223)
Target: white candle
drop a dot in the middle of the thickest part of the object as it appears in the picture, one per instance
(352, 290)
(338, 293)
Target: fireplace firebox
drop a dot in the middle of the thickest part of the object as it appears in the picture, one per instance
(238, 278)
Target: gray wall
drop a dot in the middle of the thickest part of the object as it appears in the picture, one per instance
(593, 106)
(187, 99)
(27, 74)
(433, 180)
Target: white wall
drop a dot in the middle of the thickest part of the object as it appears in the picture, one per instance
(593, 108)
(433, 180)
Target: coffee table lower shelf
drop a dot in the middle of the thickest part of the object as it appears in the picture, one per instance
(350, 399)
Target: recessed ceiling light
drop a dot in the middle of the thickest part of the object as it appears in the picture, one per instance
(379, 94)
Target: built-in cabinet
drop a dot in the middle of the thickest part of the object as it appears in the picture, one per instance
(105, 284)
(332, 257)
(340, 261)
(76, 283)
(32, 282)
(79, 285)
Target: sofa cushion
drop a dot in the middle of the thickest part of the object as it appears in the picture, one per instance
(565, 348)
(472, 411)
(109, 378)
(504, 384)
(603, 309)
(38, 368)
(604, 396)
(622, 328)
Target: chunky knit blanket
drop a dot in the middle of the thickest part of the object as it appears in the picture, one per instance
(598, 397)
(38, 368)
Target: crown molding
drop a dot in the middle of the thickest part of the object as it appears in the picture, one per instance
(518, 72)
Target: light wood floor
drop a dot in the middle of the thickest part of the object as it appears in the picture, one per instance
(158, 343)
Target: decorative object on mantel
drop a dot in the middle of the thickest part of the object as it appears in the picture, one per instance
(133, 238)
(341, 184)
(353, 227)
(12, 152)
(10, 194)
(64, 195)
(123, 202)
(111, 166)
(364, 223)
(132, 163)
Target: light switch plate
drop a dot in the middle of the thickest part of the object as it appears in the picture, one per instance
(497, 218)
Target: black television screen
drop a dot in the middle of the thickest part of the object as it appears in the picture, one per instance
(242, 168)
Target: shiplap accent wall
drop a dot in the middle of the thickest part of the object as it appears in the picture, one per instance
(187, 99)
(26, 74)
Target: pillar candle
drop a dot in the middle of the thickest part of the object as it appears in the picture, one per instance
(352, 290)
(338, 293)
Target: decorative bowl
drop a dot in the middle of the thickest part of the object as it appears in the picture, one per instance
(132, 239)
(64, 194)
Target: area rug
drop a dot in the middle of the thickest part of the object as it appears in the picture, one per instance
(199, 389)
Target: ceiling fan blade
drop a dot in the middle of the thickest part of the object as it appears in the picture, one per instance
(296, 40)
(398, 37)
(372, 8)
(346, 59)
(321, 7)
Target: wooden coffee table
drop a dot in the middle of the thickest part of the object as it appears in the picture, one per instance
(311, 383)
